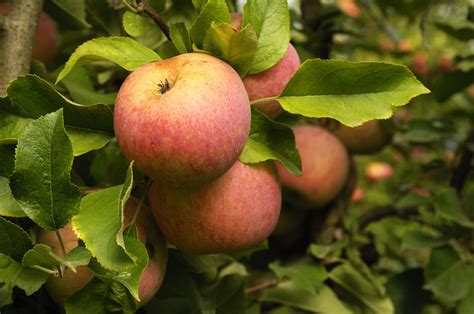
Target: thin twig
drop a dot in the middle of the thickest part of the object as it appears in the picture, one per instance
(144, 6)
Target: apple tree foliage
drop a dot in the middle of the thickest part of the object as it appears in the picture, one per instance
(408, 247)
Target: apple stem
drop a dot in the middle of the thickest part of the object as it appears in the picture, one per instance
(144, 6)
(140, 203)
(61, 243)
(262, 100)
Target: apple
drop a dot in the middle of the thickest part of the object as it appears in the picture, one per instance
(420, 65)
(46, 42)
(237, 211)
(368, 138)
(60, 289)
(184, 120)
(272, 81)
(349, 7)
(445, 64)
(357, 195)
(325, 165)
(377, 171)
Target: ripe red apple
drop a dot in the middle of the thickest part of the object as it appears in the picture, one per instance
(237, 211)
(183, 120)
(60, 289)
(376, 170)
(46, 42)
(325, 164)
(272, 81)
(368, 138)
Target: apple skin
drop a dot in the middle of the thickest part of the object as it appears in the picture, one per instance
(325, 163)
(46, 42)
(189, 132)
(60, 289)
(377, 171)
(237, 211)
(272, 81)
(368, 138)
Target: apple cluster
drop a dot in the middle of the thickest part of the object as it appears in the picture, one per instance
(184, 122)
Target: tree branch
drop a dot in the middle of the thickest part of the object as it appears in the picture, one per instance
(144, 6)
(16, 40)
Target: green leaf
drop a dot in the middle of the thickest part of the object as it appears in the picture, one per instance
(447, 206)
(82, 90)
(74, 8)
(129, 277)
(406, 291)
(83, 141)
(466, 306)
(109, 166)
(14, 241)
(350, 92)
(135, 24)
(446, 85)
(199, 4)
(13, 274)
(230, 295)
(322, 251)
(180, 37)
(11, 127)
(461, 29)
(79, 256)
(123, 51)
(99, 297)
(236, 48)
(270, 140)
(304, 276)
(446, 273)
(33, 97)
(361, 289)
(7, 156)
(104, 238)
(213, 11)
(41, 182)
(8, 205)
(270, 20)
(43, 256)
(288, 293)
(418, 239)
